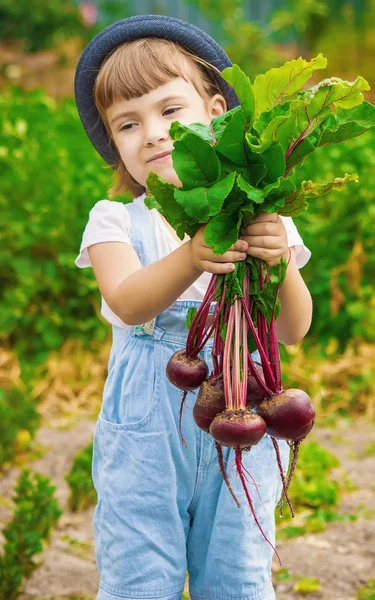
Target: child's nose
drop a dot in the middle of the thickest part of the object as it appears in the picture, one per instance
(155, 132)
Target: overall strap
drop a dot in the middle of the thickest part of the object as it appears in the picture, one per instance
(141, 233)
(142, 238)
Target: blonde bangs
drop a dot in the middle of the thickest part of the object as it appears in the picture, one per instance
(139, 67)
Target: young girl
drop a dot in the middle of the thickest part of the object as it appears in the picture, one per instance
(162, 508)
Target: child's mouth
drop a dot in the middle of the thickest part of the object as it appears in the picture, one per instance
(161, 159)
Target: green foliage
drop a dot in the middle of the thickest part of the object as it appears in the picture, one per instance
(43, 26)
(310, 484)
(340, 274)
(367, 592)
(17, 412)
(245, 42)
(307, 585)
(370, 450)
(50, 178)
(282, 574)
(311, 492)
(35, 513)
(279, 126)
(303, 19)
(275, 127)
(83, 493)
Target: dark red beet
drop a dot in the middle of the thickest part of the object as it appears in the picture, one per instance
(238, 429)
(210, 402)
(255, 394)
(186, 373)
(289, 415)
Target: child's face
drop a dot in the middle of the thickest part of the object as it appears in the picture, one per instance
(142, 133)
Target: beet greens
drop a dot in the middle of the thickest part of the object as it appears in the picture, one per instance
(231, 170)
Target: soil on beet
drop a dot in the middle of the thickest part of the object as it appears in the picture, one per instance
(342, 557)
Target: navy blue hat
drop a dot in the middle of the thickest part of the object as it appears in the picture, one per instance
(189, 36)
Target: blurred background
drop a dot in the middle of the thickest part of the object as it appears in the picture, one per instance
(55, 345)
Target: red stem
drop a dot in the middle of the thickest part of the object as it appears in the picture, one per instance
(227, 365)
(245, 365)
(197, 327)
(267, 371)
(262, 329)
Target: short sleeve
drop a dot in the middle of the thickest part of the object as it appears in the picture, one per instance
(303, 254)
(108, 222)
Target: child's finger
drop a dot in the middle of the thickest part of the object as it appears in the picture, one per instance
(218, 268)
(263, 241)
(228, 257)
(263, 228)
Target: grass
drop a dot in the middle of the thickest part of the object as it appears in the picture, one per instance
(367, 592)
(307, 585)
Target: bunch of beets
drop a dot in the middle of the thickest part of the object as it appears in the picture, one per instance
(243, 163)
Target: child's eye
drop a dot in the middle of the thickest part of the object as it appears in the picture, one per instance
(172, 109)
(127, 126)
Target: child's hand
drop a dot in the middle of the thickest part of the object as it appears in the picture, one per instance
(267, 238)
(204, 258)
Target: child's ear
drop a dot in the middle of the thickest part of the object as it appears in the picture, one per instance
(217, 106)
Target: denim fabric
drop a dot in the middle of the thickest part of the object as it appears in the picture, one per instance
(162, 508)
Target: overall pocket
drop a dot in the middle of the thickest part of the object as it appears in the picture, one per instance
(131, 392)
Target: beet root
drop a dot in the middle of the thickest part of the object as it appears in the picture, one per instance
(238, 429)
(186, 373)
(210, 402)
(289, 415)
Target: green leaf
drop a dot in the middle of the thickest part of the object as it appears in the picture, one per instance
(280, 130)
(244, 90)
(202, 203)
(335, 91)
(254, 194)
(218, 124)
(275, 194)
(222, 231)
(280, 187)
(313, 190)
(314, 107)
(257, 168)
(177, 130)
(274, 85)
(231, 143)
(192, 311)
(234, 282)
(151, 202)
(300, 152)
(274, 160)
(296, 204)
(264, 119)
(235, 200)
(266, 299)
(195, 161)
(164, 201)
(347, 124)
(344, 125)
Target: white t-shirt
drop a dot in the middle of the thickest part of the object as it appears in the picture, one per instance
(110, 222)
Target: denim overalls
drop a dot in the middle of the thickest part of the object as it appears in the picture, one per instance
(163, 508)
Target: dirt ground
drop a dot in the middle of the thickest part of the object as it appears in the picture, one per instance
(342, 557)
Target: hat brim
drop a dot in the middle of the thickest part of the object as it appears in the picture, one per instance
(190, 36)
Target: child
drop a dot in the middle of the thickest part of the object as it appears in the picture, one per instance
(163, 508)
